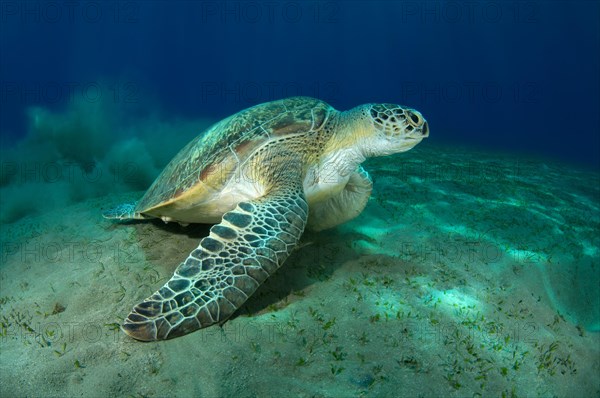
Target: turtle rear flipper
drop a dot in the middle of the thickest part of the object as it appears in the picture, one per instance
(240, 253)
(124, 211)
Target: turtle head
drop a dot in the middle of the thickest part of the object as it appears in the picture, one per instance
(390, 128)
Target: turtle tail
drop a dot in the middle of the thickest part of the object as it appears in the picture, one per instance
(124, 211)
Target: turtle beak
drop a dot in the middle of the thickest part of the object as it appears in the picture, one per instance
(418, 123)
(425, 129)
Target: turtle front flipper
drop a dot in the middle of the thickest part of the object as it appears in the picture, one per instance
(343, 207)
(240, 253)
(124, 211)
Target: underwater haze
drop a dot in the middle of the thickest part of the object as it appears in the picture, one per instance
(474, 269)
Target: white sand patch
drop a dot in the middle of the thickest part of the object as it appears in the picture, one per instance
(405, 300)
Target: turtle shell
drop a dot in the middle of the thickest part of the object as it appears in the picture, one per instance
(205, 165)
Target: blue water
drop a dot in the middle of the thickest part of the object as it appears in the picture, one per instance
(473, 269)
(519, 76)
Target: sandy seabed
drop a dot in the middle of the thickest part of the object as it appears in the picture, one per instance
(468, 274)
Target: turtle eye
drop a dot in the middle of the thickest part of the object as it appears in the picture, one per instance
(414, 118)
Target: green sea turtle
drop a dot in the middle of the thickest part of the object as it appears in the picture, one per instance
(262, 175)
